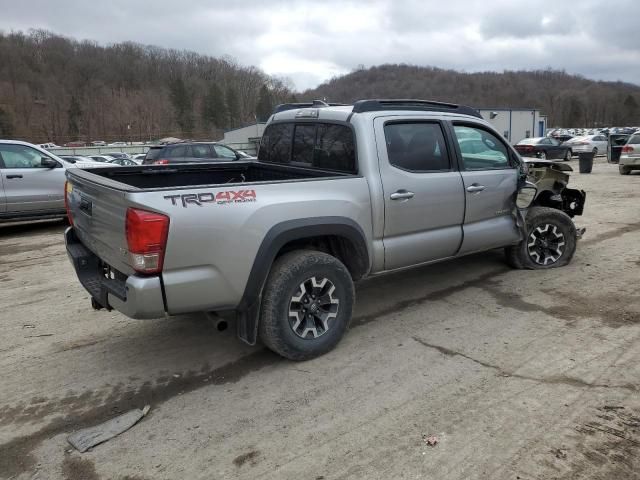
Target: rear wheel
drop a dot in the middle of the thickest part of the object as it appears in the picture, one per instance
(542, 156)
(550, 240)
(307, 304)
(595, 151)
(568, 155)
(624, 170)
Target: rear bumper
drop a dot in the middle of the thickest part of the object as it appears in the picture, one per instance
(630, 161)
(136, 297)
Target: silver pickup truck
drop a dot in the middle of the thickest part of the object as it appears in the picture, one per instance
(337, 194)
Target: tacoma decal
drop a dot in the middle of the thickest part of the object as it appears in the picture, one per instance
(219, 198)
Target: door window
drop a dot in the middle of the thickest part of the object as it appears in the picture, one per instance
(177, 152)
(20, 156)
(416, 147)
(483, 150)
(200, 151)
(224, 152)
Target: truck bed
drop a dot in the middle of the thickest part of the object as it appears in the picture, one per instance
(189, 175)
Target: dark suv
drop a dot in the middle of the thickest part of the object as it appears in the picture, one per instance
(192, 152)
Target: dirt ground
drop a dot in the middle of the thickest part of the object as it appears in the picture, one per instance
(520, 375)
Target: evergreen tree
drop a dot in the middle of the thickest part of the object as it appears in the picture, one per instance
(74, 114)
(182, 103)
(630, 110)
(6, 124)
(233, 106)
(214, 110)
(264, 107)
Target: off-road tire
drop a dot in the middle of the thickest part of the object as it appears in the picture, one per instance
(287, 274)
(518, 256)
(624, 170)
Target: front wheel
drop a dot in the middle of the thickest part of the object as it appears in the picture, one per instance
(550, 240)
(306, 305)
(595, 152)
(568, 155)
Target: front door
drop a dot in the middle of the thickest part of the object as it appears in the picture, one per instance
(423, 193)
(490, 184)
(29, 187)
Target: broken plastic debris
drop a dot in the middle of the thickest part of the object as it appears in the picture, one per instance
(84, 439)
(430, 440)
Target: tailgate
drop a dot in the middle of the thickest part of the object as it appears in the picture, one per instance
(99, 212)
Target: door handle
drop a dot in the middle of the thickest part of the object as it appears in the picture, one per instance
(475, 188)
(14, 176)
(402, 195)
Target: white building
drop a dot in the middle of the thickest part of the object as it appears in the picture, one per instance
(516, 123)
(245, 138)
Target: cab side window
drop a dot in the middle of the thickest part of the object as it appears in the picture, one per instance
(488, 151)
(20, 156)
(416, 147)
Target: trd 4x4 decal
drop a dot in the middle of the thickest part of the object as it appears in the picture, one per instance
(219, 198)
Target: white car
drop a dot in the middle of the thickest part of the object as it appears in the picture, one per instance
(630, 157)
(589, 143)
(47, 146)
(101, 158)
(32, 181)
(118, 144)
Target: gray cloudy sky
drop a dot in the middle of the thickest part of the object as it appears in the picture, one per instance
(310, 41)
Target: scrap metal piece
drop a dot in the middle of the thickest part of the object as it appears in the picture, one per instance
(84, 439)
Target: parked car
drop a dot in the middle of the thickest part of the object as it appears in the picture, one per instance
(78, 159)
(597, 144)
(616, 142)
(99, 143)
(189, 152)
(118, 144)
(101, 158)
(124, 162)
(32, 181)
(48, 146)
(630, 155)
(77, 143)
(281, 239)
(139, 157)
(543, 148)
(117, 154)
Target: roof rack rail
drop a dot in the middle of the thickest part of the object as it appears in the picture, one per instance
(283, 107)
(411, 104)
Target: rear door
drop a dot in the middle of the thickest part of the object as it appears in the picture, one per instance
(490, 178)
(551, 148)
(423, 192)
(28, 187)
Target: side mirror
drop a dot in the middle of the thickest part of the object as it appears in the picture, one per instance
(238, 156)
(47, 162)
(526, 195)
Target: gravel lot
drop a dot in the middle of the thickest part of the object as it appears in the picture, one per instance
(529, 375)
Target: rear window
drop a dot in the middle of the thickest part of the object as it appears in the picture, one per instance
(153, 153)
(316, 145)
(634, 140)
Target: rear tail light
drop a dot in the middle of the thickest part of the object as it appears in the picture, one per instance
(525, 148)
(162, 161)
(627, 149)
(146, 238)
(68, 188)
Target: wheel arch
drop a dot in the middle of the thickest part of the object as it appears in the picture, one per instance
(339, 236)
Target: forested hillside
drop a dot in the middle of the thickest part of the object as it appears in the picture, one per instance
(568, 100)
(57, 89)
(53, 88)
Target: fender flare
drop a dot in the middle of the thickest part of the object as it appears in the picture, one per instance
(278, 236)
